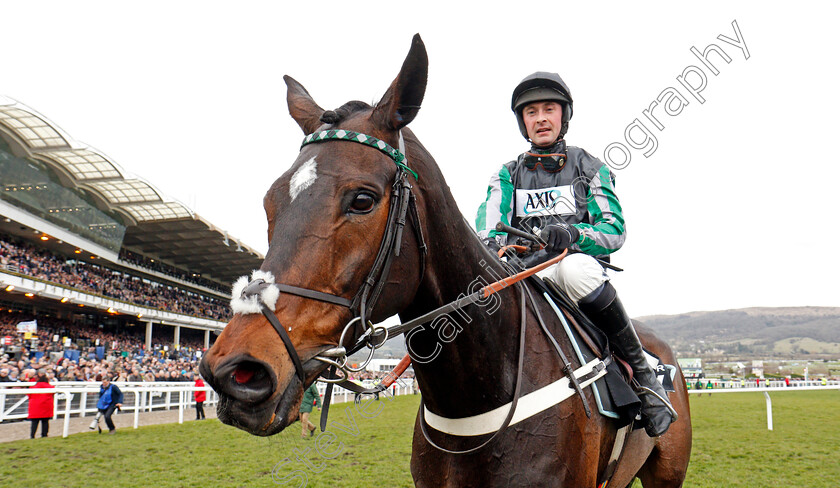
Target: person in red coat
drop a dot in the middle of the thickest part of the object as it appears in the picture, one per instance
(200, 397)
(41, 406)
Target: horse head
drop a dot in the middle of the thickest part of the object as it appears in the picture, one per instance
(335, 230)
(329, 216)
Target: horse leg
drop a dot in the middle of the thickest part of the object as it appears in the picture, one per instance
(668, 462)
(662, 471)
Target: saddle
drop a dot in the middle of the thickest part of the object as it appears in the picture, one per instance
(614, 396)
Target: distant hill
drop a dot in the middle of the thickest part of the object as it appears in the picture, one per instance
(747, 333)
(393, 349)
(784, 332)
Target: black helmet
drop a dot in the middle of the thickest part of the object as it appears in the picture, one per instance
(537, 87)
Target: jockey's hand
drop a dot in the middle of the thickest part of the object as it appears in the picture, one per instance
(532, 245)
(558, 237)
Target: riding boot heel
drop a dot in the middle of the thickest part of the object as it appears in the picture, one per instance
(655, 404)
(607, 312)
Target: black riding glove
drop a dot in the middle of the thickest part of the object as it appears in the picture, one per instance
(558, 237)
(528, 243)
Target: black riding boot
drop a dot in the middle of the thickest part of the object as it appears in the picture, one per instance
(605, 309)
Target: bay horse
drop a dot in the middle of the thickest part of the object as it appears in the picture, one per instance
(333, 256)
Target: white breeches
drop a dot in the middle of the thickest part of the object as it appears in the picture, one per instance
(577, 274)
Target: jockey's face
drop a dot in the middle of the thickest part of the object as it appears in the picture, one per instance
(543, 121)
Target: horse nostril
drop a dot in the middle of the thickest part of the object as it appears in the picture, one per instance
(243, 375)
(246, 379)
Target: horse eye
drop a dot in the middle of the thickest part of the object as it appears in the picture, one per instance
(362, 203)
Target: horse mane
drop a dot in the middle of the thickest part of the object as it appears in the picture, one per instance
(343, 112)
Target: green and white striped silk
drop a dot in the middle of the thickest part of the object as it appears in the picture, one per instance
(498, 207)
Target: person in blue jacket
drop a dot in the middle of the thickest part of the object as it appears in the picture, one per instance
(110, 399)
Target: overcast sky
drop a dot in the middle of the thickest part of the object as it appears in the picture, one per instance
(734, 207)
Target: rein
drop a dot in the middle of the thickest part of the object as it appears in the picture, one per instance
(402, 206)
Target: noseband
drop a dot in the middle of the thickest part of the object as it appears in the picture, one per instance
(402, 205)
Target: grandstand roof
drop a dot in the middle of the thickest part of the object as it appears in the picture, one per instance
(157, 226)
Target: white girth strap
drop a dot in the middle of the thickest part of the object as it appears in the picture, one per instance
(528, 406)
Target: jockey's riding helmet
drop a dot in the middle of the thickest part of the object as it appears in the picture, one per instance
(538, 87)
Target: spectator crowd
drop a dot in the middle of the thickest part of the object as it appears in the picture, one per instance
(24, 258)
(123, 353)
(151, 264)
(117, 354)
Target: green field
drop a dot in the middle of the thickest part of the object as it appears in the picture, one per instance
(732, 448)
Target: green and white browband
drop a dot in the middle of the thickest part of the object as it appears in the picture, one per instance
(348, 135)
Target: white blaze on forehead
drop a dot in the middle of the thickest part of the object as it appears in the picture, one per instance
(303, 178)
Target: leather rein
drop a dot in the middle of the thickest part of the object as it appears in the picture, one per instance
(402, 207)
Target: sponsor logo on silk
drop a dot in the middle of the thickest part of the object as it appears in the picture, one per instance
(558, 200)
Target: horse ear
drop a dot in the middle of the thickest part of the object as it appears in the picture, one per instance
(302, 107)
(401, 102)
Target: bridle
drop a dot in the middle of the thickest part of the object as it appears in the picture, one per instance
(402, 207)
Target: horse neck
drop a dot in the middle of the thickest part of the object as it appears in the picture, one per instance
(479, 362)
(456, 255)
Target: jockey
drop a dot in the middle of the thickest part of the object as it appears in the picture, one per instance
(567, 197)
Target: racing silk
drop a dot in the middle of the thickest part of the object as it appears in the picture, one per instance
(560, 182)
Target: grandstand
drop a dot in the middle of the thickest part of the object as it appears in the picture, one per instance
(87, 247)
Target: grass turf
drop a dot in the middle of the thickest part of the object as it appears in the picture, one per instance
(371, 447)
(364, 452)
(732, 446)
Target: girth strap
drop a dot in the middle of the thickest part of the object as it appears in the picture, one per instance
(517, 389)
(529, 405)
(615, 455)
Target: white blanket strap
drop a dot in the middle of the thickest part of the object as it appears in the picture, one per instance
(528, 406)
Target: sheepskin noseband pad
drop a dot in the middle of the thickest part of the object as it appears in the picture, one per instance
(248, 295)
(255, 296)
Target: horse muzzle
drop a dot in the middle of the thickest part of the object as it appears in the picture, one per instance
(243, 378)
(250, 395)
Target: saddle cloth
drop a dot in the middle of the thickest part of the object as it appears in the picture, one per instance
(615, 397)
